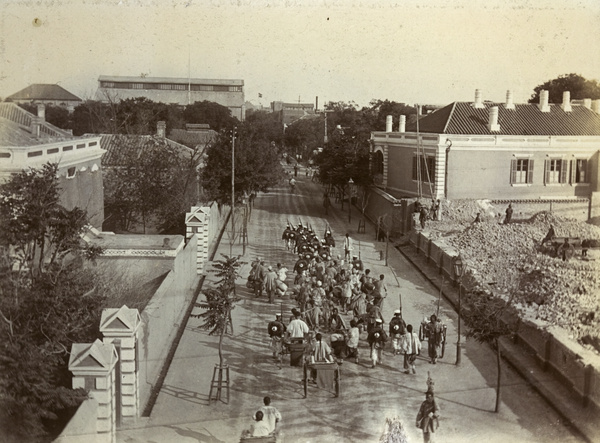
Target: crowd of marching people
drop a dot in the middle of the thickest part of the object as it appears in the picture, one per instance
(330, 291)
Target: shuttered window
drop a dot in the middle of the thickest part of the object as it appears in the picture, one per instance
(555, 171)
(579, 171)
(521, 171)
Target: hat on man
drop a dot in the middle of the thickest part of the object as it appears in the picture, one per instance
(397, 311)
(270, 268)
(379, 320)
(319, 283)
(277, 315)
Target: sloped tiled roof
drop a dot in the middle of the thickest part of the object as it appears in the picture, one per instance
(193, 138)
(44, 92)
(525, 119)
(15, 128)
(117, 146)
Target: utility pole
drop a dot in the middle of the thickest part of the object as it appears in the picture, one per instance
(232, 192)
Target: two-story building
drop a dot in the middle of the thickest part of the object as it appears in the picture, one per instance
(170, 90)
(498, 151)
(27, 140)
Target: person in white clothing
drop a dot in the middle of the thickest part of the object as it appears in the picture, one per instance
(347, 246)
(271, 415)
(412, 347)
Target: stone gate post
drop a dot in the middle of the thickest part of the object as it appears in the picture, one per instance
(197, 222)
(93, 368)
(119, 328)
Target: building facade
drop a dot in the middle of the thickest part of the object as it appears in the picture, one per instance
(169, 90)
(498, 151)
(27, 140)
(290, 112)
(46, 94)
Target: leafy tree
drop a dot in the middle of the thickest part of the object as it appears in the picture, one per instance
(216, 115)
(158, 182)
(257, 165)
(219, 303)
(304, 136)
(578, 86)
(55, 115)
(45, 303)
(488, 318)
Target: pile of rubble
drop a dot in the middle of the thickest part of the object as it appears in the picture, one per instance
(504, 258)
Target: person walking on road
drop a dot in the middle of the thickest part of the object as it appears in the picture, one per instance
(348, 248)
(427, 417)
(377, 338)
(270, 283)
(276, 330)
(297, 327)
(436, 338)
(397, 330)
(411, 345)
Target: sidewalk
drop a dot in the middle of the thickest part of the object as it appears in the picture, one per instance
(465, 394)
(557, 394)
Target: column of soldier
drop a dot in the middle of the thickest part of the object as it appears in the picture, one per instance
(325, 290)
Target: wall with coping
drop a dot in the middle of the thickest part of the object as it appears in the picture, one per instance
(574, 366)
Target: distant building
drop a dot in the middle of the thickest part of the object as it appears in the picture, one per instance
(194, 135)
(46, 94)
(169, 90)
(27, 140)
(290, 112)
(485, 150)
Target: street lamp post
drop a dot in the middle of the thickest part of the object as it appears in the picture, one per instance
(350, 183)
(459, 269)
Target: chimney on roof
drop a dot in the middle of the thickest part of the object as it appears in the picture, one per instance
(388, 123)
(41, 111)
(509, 100)
(161, 129)
(566, 103)
(402, 127)
(493, 119)
(544, 106)
(596, 106)
(587, 102)
(36, 123)
(478, 100)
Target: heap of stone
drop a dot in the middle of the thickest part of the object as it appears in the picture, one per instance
(509, 259)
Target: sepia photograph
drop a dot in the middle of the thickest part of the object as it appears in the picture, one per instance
(299, 221)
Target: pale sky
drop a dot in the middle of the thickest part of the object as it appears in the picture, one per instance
(425, 51)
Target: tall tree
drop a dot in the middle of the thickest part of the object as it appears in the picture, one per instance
(216, 115)
(488, 318)
(578, 86)
(43, 303)
(257, 165)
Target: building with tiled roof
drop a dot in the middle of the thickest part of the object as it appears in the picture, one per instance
(287, 113)
(497, 151)
(27, 140)
(171, 90)
(46, 94)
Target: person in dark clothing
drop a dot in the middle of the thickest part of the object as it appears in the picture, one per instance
(509, 213)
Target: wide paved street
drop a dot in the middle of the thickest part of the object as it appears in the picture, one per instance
(465, 394)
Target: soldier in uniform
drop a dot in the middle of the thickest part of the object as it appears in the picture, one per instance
(436, 338)
(377, 338)
(276, 330)
(397, 329)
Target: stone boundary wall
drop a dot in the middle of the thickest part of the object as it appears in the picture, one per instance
(163, 315)
(160, 322)
(573, 365)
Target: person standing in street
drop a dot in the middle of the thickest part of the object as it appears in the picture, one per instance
(380, 291)
(411, 345)
(348, 248)
(427, 417)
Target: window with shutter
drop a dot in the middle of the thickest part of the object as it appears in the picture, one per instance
(513, 171)
(529, 171)
(563, 171)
